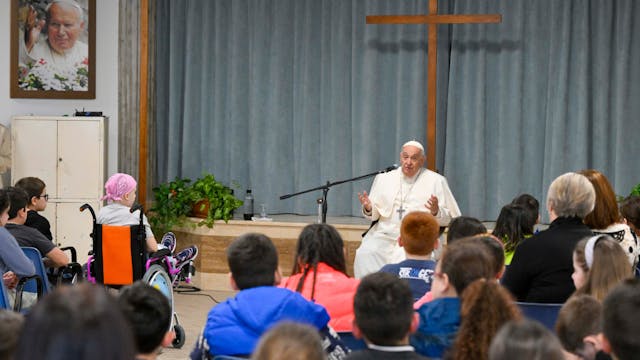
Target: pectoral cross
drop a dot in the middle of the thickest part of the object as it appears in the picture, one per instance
(400, 212)
(433, 19)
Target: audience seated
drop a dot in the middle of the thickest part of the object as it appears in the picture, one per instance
(486, 306)
(418, 236)
(511, 228)
(28, 236)
(525, 339)
(621, 321)
(13, 262)
(541, 268)
(532, 206)
(461, 264)
(605, 217)
(291, 341)
(234, 326)
(384, 318)
(320, 274)
(148, 312)
(494, 249)
(11, 324)
(80, 322)
(579, 327)
(464, 226)
(598, 266)
(630, 210)
(37, 195)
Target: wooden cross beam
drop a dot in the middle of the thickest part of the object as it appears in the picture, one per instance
(433, 19)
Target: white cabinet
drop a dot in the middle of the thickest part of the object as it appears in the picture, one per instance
(68, 154)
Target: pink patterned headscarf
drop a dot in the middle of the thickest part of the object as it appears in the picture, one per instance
(117, 186)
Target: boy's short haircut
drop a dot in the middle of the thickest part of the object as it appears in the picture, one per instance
(253, 261)
(383, 307)
(621, 319)
(465, 262)
(419, 231)
(494, 247)
(18, 199)
(149, 314)
(32, 185)
(579, 317)
(464, 226)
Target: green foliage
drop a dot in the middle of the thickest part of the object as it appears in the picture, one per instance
(221, 201)
(175, 201)
(635, 190)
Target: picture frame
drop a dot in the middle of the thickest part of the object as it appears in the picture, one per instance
(53, 46)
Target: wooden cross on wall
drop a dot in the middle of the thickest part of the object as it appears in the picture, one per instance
(433, 19)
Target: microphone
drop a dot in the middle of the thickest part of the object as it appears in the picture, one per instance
(389, 168)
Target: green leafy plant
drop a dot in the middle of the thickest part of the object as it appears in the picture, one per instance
(176, 200)
(635, 190)
(214, 198)
(172, 204)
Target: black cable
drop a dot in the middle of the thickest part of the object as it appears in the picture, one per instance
(192, 290)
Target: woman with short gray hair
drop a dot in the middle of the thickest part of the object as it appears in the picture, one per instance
(542, 264)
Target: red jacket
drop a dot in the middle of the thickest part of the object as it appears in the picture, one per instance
(334, 291)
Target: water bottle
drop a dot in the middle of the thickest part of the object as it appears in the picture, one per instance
(319, 218)
(248, 205)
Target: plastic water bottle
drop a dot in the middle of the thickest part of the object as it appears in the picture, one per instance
(248, 205)
(319, 218)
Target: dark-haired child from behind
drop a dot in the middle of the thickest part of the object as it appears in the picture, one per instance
(385, 318)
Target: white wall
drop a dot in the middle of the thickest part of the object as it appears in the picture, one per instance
(106, 78)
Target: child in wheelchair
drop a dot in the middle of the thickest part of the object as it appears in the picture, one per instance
(120, 193)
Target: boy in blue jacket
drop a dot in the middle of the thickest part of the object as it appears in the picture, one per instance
(233, 327)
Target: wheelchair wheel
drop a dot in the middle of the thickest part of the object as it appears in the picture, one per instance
(157, 277)
(180, 336)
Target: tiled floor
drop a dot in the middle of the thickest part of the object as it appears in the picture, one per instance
(192, 309)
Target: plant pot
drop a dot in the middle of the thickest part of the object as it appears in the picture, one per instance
(200, 209)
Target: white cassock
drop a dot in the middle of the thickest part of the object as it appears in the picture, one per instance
(392, 196)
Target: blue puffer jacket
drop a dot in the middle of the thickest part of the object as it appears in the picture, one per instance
(234, 326)
(439, 323)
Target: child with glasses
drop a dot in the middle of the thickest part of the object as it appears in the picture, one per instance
(37, 191)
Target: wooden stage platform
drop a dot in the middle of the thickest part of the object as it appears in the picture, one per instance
(211, 263)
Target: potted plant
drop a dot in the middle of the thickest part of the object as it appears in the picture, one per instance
(213, 200)
(176, 200)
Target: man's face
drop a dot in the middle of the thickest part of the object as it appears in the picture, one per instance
(64, 27)
(411, 160)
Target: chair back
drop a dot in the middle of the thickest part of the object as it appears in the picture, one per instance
(41, 271)
(351, 342)
(547, 314)
(5, 302)
(118, 254)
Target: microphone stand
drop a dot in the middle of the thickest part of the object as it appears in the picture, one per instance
(325, 189)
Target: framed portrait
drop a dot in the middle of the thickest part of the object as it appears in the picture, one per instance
(53, 46)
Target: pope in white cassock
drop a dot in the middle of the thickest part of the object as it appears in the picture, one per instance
(393, 195)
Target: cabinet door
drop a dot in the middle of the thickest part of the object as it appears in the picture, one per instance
(34, 146)
(80, 160)
(73, 228)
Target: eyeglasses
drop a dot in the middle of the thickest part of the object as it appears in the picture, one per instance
(45, 196)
